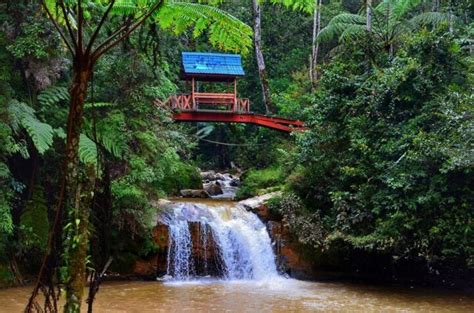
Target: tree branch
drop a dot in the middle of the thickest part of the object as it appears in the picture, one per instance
(110, 43)
(68, 25)
(122, 28)
(58, 28)
(97, 30)
(80, 20)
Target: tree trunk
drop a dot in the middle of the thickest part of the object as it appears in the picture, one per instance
(78, 193)
(313, 73)
(435, 7)
(257, 29)
(369, 16)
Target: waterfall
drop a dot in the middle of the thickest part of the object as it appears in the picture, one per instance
(223, 241)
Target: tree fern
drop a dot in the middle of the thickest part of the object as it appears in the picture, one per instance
(391, 19)
(23, 116)
(224, 31)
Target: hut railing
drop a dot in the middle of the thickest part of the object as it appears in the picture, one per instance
(186, 102)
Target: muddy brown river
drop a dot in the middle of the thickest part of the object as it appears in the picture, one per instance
(277, 295)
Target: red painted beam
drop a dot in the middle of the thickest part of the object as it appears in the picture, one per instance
(231, 117)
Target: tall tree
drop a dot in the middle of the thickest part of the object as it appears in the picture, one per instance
(368, 15)
(81, 24)
(313, 73)
(262, 72)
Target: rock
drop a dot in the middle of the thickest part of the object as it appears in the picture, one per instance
(193, 193)
(209, 175)
(220, 176)
(253, 203)
(290, 256)
(235, 182)
(213, 189)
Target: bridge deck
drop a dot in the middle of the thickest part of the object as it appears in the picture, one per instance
(277, 123)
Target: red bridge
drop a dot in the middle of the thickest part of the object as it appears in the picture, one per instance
(224, 106)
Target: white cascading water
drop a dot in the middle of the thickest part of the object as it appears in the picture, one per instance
(242, 243)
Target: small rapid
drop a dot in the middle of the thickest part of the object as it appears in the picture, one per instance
(216, 241)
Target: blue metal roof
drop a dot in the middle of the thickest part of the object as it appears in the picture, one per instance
(198, 63)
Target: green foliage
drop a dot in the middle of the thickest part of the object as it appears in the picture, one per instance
(23, 116)
(34, 224)
(223, 30)
(29, 42)
(255, 182)
(391, 20)
(52, 96)
(378, 163)
(297, 5)
(6, 277)
(6, 194)
(87, 150)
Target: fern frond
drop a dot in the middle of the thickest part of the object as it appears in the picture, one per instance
(53, 95)
(23, 116)
(297, 5)
(99, 105)
(87, 150)
(110, 134)
(348, 18)
(128, 7)
(224, 30)
(338, 24)
(115, 145)
(353, 32)
(432, 18)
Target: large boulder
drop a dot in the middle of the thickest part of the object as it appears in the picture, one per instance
(258, 205)
(213, 189)
(193, 193)
(208, 175)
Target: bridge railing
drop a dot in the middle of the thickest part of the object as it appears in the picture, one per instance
(186, 102)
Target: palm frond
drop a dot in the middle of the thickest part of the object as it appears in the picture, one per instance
(224, 30)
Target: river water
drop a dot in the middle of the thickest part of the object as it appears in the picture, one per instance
(246, 280)
(280, 295)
